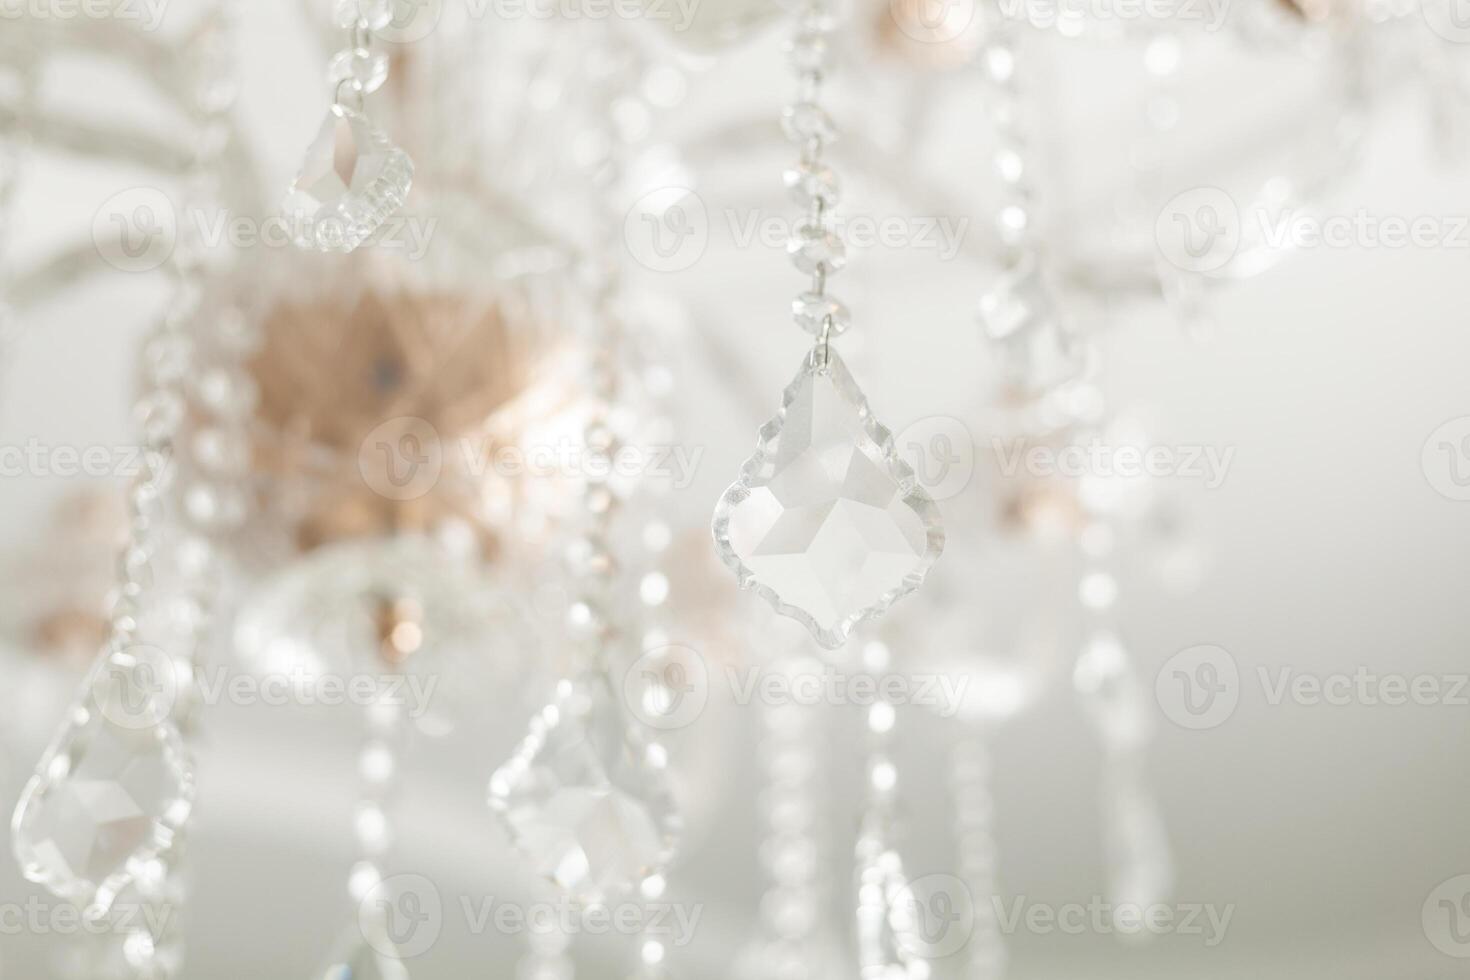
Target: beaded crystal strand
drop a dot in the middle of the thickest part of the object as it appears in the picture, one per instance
(127, 732)
(825, 521)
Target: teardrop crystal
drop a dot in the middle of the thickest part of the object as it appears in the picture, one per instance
(112, 791)
(826, 522)
(353, 179)
(586, 798)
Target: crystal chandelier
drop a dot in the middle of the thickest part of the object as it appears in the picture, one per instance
(345, 470)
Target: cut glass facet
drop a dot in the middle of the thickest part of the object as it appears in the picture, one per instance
(826, 521)
(353, 179)
(585, 797)
(109, 795)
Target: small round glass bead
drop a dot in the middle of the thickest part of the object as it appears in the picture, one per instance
(811, 310)
(367, 70)
(812, 182)
(806, 121)
(813, 248)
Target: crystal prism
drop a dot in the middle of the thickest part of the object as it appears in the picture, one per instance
(355, 958)
(353, 179)
(110, 794)
(826, 521)
(1038, 349)
(585, 797)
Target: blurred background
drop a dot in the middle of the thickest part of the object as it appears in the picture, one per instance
(1159, 301)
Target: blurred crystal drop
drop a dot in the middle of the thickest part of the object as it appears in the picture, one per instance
(585, 797)
(352, 180)
(826, 522)
(882, 953)
(1037, 348)
(110, 794)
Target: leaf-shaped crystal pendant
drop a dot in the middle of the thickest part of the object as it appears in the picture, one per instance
(353, 179)
(111, 792)
(356, 958)
(586, 797)
(826, 521)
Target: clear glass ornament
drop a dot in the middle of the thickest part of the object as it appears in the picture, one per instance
(112, 791)
(826, 522)
(585, 797)
(353, 179)
(1038, 348)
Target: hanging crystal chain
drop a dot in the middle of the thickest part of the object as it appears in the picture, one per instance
(974, 818)
(154, 951)
(1140, 867)
(791, 853)
(815, 248)
(1036, 347)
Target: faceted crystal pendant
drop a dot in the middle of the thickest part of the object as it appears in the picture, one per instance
(826, 522)
(1038, 350)
(585, 797)
(355, 958)
(110, 794)
(353, 179)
